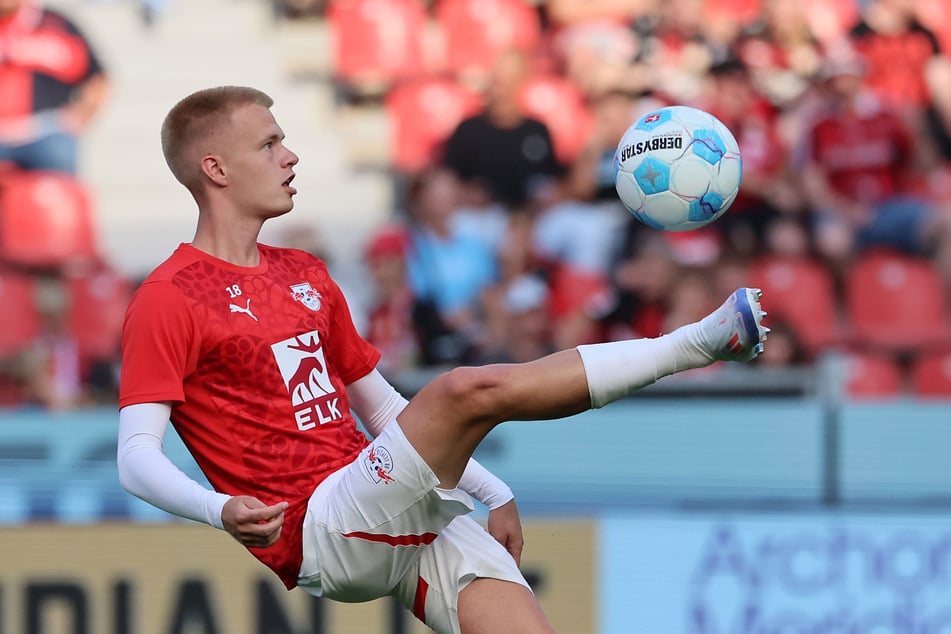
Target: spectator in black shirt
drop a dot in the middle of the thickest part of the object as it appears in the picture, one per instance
(507, 153)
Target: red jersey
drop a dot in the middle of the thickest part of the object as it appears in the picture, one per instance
(863, 153)
(255, 362)
(43, 57)
(897, 61)
(761, 146)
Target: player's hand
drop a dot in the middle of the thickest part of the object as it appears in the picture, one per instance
(506, 527)
(251, 522)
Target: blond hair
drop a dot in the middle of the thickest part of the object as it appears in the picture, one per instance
(195, 119)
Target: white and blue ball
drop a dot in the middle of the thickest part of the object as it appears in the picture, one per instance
(677, 168)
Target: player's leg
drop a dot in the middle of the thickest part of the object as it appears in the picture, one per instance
(448, 418)
(489, 606)
(451, 414)
(466, 582)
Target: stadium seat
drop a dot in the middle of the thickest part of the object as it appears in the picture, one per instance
(573, 288)
(18, 314)
(872, 377)
(895, 302)
(95, 312)
(931, 374)
(377, 42)
(801, 292)
(422, 114)
(46, 220)
(474, 32)
(561, 106)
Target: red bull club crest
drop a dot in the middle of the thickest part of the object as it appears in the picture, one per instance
(306, 295)
(378, 464)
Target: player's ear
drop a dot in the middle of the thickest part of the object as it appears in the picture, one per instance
(214, 169)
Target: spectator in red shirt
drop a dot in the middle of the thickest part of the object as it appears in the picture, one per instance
(780, 50)
(906, 67)
(680, 41)
(52, 85)
(769, 190)
(861, 172)
(390, 326)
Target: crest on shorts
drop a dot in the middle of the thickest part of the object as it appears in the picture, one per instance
(306, 295)
(378, 464)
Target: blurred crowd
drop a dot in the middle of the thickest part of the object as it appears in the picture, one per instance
(60, 301)
(507, 239)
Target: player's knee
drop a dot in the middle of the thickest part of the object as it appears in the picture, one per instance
(477, 390)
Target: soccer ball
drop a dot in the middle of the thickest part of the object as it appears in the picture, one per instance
(677, 168)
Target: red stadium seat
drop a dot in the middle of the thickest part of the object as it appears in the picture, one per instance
(801, 292)
(95, 312)
(561, 106)
(474, 32)
(422, 115)
(872, 377)
(573, 288)
(377, 42)
(896, 302)
(931, 374)
(46, 220)
(19, 318)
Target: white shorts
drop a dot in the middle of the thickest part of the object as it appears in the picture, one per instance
(380, 526)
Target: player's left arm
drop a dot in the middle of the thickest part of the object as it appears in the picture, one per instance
(506, 527)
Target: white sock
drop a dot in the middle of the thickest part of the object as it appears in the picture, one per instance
(618, 368)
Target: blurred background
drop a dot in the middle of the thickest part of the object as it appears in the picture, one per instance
(456, 174)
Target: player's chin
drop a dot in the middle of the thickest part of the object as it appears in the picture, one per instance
(280, 210)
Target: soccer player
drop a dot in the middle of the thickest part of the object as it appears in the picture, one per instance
(250, 351)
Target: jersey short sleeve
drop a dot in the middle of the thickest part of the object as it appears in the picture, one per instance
(349, 352)
(159, 345)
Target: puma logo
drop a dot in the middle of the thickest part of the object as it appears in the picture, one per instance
(246, 310)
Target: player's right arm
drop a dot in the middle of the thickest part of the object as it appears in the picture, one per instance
(146, 472)
(160, 348)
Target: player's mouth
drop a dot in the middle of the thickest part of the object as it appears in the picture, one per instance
(287, 185)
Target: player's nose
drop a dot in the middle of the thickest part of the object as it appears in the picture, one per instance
(291, 159)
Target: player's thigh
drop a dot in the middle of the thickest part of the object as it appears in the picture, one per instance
(463, 553)
(488, 606)
(367, 523)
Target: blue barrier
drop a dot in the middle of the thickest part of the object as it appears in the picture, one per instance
(750, 452)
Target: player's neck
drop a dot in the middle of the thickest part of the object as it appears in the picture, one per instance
(232, 241)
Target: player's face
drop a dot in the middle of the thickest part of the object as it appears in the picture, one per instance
(260, 167)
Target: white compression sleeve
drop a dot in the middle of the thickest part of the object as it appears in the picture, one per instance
(485, 486)
(376, 403)
(146, 472)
